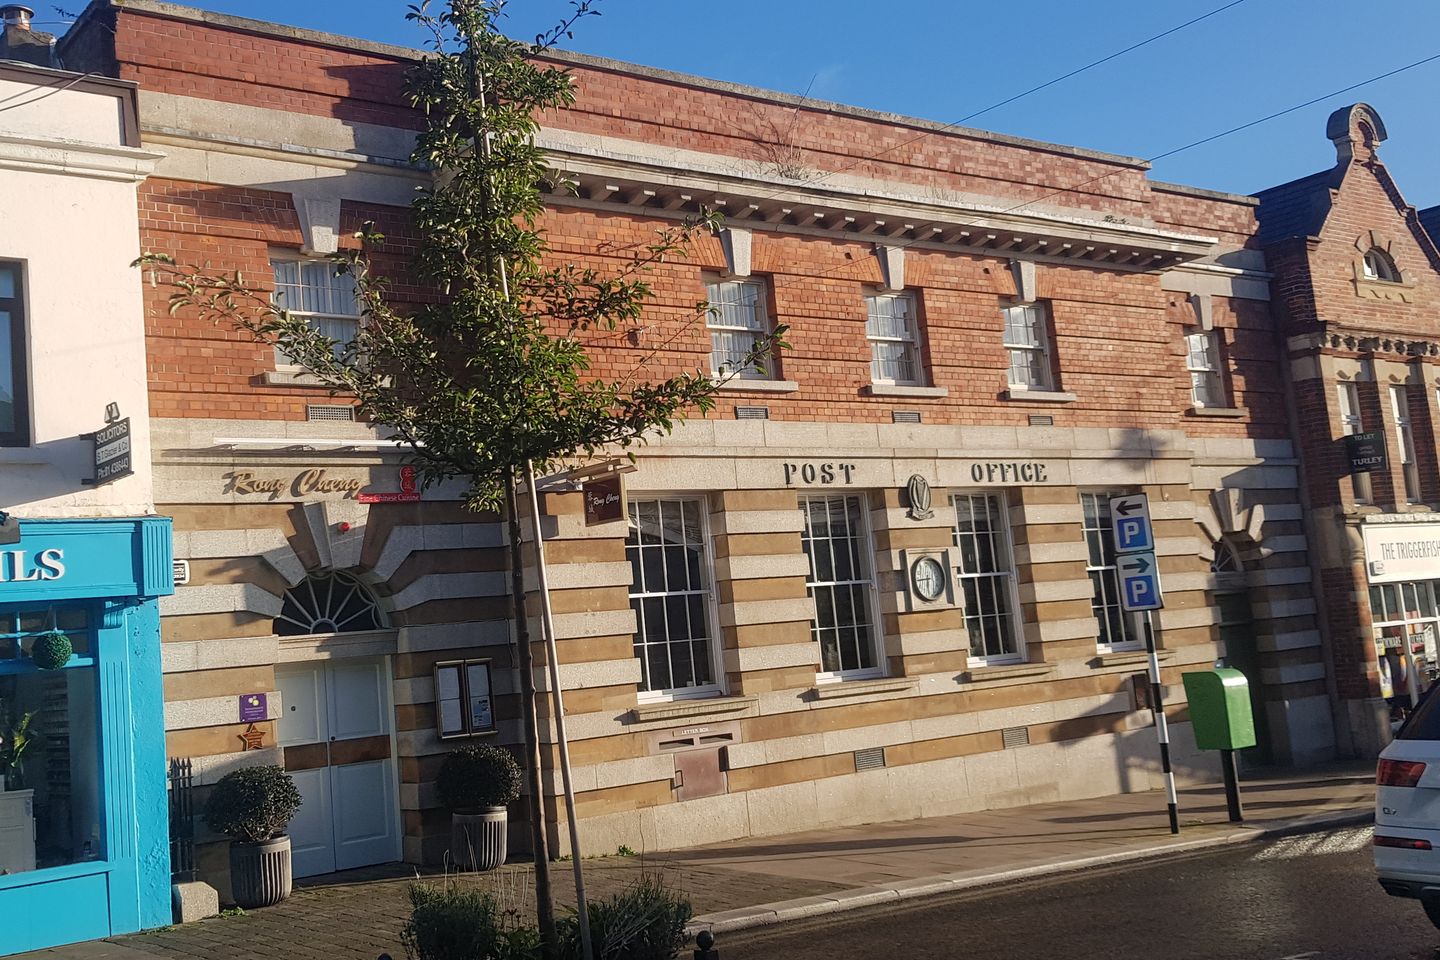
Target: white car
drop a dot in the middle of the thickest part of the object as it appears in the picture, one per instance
(1407, 810)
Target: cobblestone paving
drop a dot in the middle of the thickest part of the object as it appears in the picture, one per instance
(357, 916)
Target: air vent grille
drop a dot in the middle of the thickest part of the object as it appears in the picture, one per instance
(871, 758)
(1013, 737)
(904, 416)
(752, 413)
(1041, 420)
(317, 411)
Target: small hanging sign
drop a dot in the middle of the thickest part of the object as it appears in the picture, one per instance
(604, 500)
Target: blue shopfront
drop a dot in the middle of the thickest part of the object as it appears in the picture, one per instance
(83, 814)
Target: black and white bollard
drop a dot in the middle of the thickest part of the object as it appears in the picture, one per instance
(705, 946)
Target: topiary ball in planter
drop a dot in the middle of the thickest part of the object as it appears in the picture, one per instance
(51, 651)
(476, 783)
(252, 804)
(477, 777)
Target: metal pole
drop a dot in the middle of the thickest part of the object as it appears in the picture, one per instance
(1162, 727)
(557, 697)
(1232, 786)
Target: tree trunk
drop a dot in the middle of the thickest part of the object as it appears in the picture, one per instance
(525, 665)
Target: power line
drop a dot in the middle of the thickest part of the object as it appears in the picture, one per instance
(1036, 89)
(1170, 153)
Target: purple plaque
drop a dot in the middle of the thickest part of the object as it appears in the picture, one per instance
(253, 708)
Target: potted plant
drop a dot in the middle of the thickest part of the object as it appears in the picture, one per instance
(476, 783)
(253, 806)
(14, 743)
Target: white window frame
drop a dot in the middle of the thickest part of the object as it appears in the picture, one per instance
(1377, 265)
(908, 340)
(870, 598)
(707, 595)
(1351, 422)
(720, 327)
(315, 318)
(1405, 437)
(1003, 583)
(1207, 388)
(1041, 347)
(1106, 576)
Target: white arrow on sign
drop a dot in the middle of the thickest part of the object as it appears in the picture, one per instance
(1130, 523)
(1139, 582)
(1137, 563)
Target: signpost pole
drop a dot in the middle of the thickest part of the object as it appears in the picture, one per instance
(557, 698)
(1162, 726)
(1138, 569)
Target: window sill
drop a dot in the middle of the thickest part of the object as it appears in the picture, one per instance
(1218, 412)
(1040, 396)
(901, 390)
(290, 378)
(688, 709)
(1006, 671)
(1127, 658)
(742, 385)
(839, 689)
(23, 457)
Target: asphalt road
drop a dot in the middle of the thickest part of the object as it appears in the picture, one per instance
(1304, 898)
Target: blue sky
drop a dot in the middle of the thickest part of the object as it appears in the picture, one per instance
(944, 59)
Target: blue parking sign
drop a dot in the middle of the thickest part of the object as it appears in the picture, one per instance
(1139, 582)
(1130, 523)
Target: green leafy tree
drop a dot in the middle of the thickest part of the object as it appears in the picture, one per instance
(489, 379)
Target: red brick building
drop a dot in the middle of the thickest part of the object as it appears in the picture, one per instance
(1355, 294)
(1026, 328)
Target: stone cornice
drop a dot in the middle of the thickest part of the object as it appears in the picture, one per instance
(609, 173)
(1364, 341)
(69, 158)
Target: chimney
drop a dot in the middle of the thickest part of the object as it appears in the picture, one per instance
(13, 14)
(19, 42)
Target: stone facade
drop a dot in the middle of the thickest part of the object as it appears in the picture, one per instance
(279, 143)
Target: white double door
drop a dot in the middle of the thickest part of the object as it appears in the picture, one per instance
(335, 727)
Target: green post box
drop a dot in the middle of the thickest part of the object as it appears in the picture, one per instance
(1220, 709)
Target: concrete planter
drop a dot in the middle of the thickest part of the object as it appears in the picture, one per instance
(477, 840)
(260, 872)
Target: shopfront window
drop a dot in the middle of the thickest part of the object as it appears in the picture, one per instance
(1406, 621)
(50, 812)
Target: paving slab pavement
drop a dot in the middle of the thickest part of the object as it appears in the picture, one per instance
(358, 915)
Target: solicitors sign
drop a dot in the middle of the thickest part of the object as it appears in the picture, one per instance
(1402, 551)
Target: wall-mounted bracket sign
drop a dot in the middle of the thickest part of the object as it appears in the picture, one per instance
(604, 499)
(823, 473)
(112, 448)
(1366, 452)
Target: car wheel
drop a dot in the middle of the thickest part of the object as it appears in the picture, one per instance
(1432, 910)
